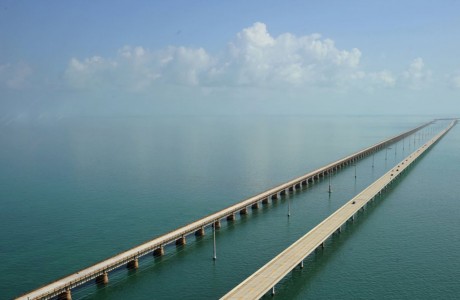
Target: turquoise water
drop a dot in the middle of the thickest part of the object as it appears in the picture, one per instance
(76, 191)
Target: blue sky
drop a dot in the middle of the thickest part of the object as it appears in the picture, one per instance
(225, 57)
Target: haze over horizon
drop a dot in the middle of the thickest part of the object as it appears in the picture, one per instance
(266, 57)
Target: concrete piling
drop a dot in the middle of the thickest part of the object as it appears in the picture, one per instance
(159, 251)
(133, 264)
(102, 279)
(181, 241)
(67, 295)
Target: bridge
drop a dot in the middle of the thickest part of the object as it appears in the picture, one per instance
(99, 272)
(265, 279)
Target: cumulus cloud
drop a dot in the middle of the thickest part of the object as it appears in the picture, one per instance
(257, 58)
(384, 78)
(185, 65)
(416, 76)
(15, 76)
(90, 71)
(136, 68)
(252, 58)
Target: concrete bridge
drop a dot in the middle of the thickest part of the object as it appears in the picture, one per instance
(99, 272)
(265, 279)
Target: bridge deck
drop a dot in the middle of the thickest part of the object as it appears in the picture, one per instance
(71, 281)
(258, 284)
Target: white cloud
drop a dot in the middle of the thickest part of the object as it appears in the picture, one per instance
(254, 58)
(90, 71)
(384, 78)
(15, 76)
(416, 76)
(257, 58)
(184, 65)
(256, 35)
(137, 69)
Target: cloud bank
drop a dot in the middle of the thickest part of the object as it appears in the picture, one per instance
(254, 58)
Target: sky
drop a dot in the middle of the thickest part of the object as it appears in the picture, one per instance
(60, 58)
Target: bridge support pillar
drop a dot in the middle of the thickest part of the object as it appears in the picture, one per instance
(265, 201)
(102, 279)
(133, 264)
(231, 217)
(255, 205)
(200, 232)
(181, 241)
(217, 224)
(67, 295)
(159, 251)
(301, 264)
(292, 188)
(244, 211)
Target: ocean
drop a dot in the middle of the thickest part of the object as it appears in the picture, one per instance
(74, 191)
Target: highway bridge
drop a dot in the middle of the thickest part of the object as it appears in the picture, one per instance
(265, 279)
(99, 272)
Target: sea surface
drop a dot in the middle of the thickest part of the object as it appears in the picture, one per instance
(75, 191)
